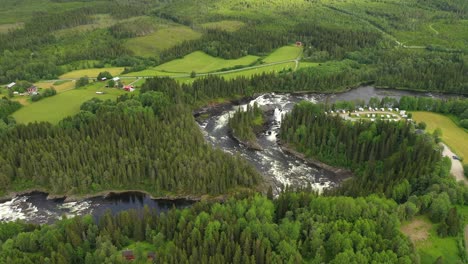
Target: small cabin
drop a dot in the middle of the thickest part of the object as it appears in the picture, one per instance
(298, 44)
(128, 255)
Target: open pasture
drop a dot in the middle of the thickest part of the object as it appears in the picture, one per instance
(454, 136)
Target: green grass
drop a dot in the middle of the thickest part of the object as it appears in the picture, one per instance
(59, 86)
(150, 45)
(4, 28)
(202, 63)
(55, 108)
(454, 136)
(100, 21)
(433, 246)
(227, 25)
(267, 69)
(151, 72)
(92, 73)
(283, 54)
(308, 64)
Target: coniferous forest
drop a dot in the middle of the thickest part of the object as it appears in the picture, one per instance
(144, 142)
(149, 140)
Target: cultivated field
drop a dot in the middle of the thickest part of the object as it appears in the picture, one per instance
(201, 62)
(59, 86)
(283, 54)
(150, 45)
(92, 73)
(55, 108)
(454, 136)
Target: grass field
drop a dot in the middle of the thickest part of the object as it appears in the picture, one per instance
(162, 39)
(201, 63)
(7, 27)
(430, 246)
(92, 73)
(100, 21)
(267, 69)
(59, 86)
(454, 136)
(284, 53)
(55, 108)
(227, 25)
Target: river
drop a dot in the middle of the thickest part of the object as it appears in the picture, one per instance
(277, 167)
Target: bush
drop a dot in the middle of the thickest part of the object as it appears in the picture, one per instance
(464, 123)
(104, 74)
(46, 93)
(82, 82)
(465, 169)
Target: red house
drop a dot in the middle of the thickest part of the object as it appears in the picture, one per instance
(128, 255)
(32, 90)
(129, 88)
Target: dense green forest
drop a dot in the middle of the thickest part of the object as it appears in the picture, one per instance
(386, 157)
(297, 227)
(150, 141)
(246, 124)
(143, 142)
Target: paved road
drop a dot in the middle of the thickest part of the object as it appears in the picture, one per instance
(457, 166)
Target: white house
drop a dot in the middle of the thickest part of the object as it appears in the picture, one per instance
(116, 79)
(361, 109)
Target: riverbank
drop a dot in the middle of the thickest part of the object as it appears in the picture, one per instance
(109, 193)
(341, 173)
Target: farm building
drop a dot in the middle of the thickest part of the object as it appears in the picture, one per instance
(128, 255)
(32, 90)
(129, 88)
(9, 86)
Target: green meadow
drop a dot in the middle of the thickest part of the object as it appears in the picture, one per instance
(428, 244)
(283, 54)
(454, 136)
(92, 73)
(55, 108)
(201, 62)
(164, 38)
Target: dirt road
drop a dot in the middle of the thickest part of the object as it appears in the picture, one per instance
(457, 167)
